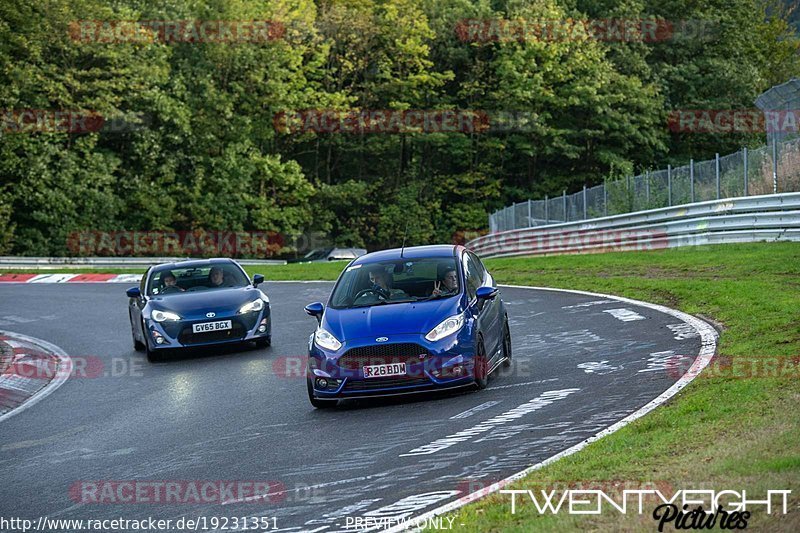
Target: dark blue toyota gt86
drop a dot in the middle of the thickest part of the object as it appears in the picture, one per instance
(407, 320)
(197, 303)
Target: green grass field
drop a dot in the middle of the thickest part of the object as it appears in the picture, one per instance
(720, 432)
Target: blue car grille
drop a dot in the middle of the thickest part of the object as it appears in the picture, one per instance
(381, 354)
(384, 383)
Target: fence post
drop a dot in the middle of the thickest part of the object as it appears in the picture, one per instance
(691, 179)
(584, 202)
(669, 185)
(716, 166)
(628, 194)
(605, 200)
(774, 165)
(546, 210)
(564, 196)
(647, 189)
(530, 219)
(745, 171)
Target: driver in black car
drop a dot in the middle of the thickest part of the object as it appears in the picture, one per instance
(170, 283)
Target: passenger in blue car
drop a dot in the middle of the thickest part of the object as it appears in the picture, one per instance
(448, 285)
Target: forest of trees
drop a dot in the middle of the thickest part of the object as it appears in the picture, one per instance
(198, 146)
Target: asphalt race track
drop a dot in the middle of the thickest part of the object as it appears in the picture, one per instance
(581, 363)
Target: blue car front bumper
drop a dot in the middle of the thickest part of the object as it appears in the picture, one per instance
(447, 363)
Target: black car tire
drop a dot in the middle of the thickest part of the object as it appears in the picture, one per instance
(152, 356)
(264, 342)
(137, 344)
(506, 345)
(316, 402)
(481, 366)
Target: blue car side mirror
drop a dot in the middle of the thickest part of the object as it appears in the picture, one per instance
(486, 293)
(257, 280)
(133, 292)
(315, 310)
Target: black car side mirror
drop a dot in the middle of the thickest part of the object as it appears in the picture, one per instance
(315, 309)
(133, 292)
(257, 280)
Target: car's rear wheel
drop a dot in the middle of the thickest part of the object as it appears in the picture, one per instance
(137, 344)
(506, 345)
(481, 366)
(316, 402)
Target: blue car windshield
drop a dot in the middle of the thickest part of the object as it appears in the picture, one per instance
(396, 281)
(171, 281)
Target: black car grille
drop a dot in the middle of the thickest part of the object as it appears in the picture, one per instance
(382, 354)
(383, 383)
(188, 337)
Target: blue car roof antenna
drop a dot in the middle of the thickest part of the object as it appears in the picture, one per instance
(403, 247)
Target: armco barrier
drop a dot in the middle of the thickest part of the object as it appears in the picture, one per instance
(748, 219)
(50, 263)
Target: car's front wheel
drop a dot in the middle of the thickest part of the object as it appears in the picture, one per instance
(506, 345)
(264, 342)
(481, 366)
(316, 402)
(137, 344)
(152, 356)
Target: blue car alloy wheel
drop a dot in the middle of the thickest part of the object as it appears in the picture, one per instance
(197, 303)
(406, 321)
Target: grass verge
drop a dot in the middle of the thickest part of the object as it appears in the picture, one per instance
(736, 429)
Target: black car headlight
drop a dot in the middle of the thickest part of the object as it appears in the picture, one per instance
(252, 307)
(161, 316)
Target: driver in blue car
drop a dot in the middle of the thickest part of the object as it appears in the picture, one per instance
(382, 283)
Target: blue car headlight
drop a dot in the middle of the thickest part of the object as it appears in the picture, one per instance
(161, 316)
(326, 340)
(251, 307)
(448, 326)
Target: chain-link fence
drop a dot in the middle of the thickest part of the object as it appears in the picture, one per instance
(770, 169)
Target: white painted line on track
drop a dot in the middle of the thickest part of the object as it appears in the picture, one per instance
(477, 409)
(708, 336)
(522, 384)
(64, 371)
(626, 315)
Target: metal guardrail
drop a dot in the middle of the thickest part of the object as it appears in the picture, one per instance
(747, 219)
(770, 169)
(51, 263)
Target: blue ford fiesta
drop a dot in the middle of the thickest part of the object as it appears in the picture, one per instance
(404, 321)
(197, 303)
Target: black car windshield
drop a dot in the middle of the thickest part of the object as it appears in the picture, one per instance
(397, 281)
(171, 281)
